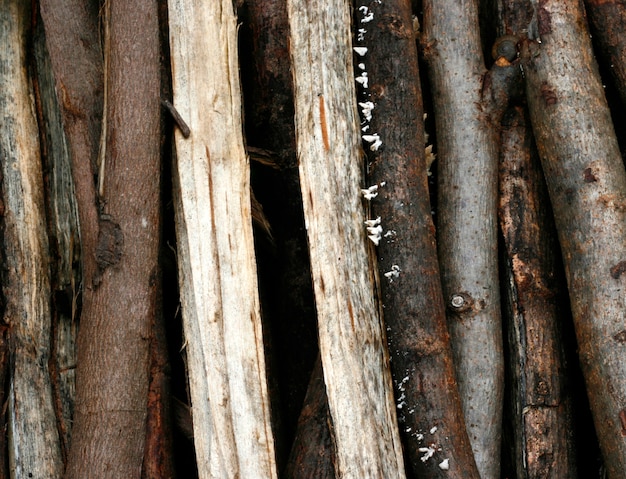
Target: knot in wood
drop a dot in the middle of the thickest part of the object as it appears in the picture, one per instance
(110, 243)
(460, 302)
(505, 47)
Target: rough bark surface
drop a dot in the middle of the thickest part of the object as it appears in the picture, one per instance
(231, 413)
(120, 298)
(427, 396)
(467, 139)
(354, 357)
(541, 404)
(587, 185)
(34, 445)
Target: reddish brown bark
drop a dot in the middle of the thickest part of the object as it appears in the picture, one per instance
(428, 402)
(120, 245)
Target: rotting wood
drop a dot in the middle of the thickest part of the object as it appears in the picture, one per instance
(218, 284)
(587, 185)
(63, 236)
(427, 396)
(33, 439)
(352, 349)
(541, 399)
(469, 103)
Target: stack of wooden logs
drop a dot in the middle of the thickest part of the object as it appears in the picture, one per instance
(391, 316)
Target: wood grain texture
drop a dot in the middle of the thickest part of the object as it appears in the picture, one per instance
(218, 284)
(34, 446)
(354, 357)
(587, 186)
(467, 148)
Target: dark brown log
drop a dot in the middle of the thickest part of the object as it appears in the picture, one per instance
(312, 455)
(429, 407)
(587, 185)
(607, 19)
(469, 102)
(120, 295)
(541, 408)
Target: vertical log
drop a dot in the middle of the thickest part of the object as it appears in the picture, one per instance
(354, 357)
(543, 426)
(231, 415)
(120, 299)
(467, 146)
(429, 407)
(587, 185)
(34, 446)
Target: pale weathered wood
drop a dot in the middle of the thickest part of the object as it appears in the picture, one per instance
(354, 357)
(34, 448)
(221, 316)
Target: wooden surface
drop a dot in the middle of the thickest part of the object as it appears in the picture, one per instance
(354, 358)
(587, 185)
(218, 284)
(34, 446)
(467, 223)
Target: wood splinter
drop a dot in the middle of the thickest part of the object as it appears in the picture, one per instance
(180, 123)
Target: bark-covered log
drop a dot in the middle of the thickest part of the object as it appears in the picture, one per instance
(541, 406)
(607, 19)
(354, 357)
(120, 296)
(34, 445)
(312, 455)
(587, 185)
(468, 104)
(231, 414)
(427, 396)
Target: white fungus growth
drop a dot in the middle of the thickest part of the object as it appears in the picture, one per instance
(433, 429)
(361, 51)
(428, 452)
(375, 222)
(362, 79)
(419, 437)
(375, 230)
(361, 34)
(365, 128)
(361, 66)
(371, 192)
(366, 109)
(368, 18)
(391, 275)
(444, 465)
(375, 239)
(374, 140)
(390, 234)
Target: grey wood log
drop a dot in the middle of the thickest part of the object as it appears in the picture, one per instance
(352, 349)
(467, 149)
(34, 447)
(218, 283)
(587, 186)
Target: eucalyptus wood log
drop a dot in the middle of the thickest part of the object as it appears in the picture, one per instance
(587, 185)
(429, 407)
(63, 236)
(468, 105)
(354, 357)
(607, 19)
(34, 445)
(543, 425)
(312, 455)
(218, 284)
